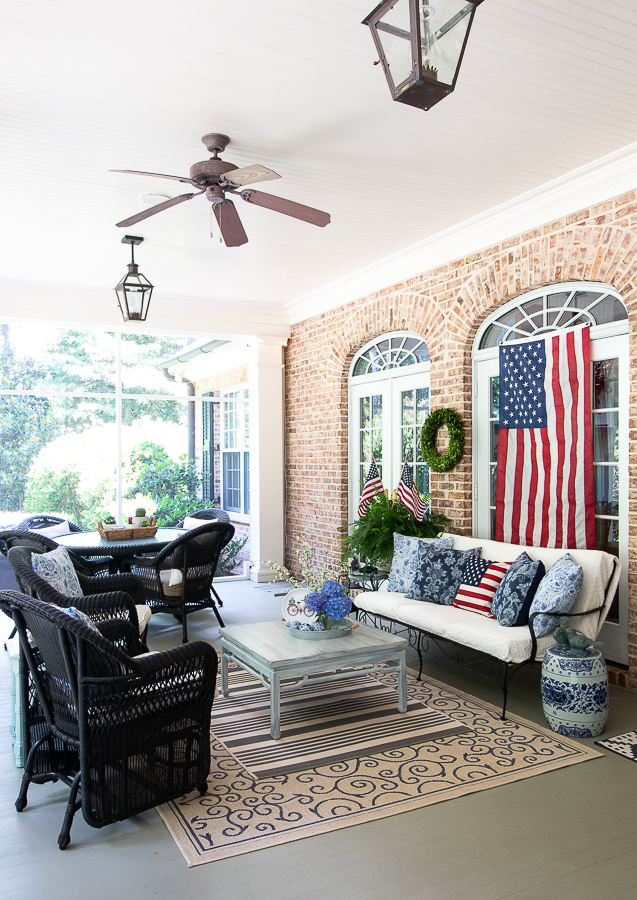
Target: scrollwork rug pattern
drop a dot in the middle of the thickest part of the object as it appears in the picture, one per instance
(240, 814)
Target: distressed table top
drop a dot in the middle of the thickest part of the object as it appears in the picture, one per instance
(272, 643)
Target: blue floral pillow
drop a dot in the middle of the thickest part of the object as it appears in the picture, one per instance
(79, 616)
(556, 594)
(405, 562)
(513, 598)
(440, 574)
(56, 568)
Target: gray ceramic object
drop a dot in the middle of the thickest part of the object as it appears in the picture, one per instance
(338, 629)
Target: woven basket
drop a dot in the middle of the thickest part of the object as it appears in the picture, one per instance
(118, 533)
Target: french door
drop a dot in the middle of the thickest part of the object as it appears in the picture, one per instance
(386, 416)
(610, 459)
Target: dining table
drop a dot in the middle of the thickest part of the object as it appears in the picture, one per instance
(91, 543)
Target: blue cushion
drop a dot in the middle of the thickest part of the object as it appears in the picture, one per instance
(513, 598)
(80, 616)
(405, 562)
(440, 574)
(56, 568)
(557, 593)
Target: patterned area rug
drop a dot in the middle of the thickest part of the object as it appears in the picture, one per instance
(624, 744)
(240, 814)
(320, 724)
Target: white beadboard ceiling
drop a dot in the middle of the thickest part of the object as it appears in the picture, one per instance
(546, 87)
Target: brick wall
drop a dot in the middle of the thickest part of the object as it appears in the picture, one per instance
(445, 306)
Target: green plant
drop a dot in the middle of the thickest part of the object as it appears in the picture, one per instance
(311, 575)
(372, 537)
(171, 511)
(445, 461)
(227, 559)
(109, 520)
(140, 512)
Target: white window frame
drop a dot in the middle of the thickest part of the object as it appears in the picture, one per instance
(390, 382)
(243, 446)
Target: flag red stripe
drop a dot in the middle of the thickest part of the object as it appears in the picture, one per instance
(517, 487)
(572, 500)
(500, 485)
(589, 480)
(559, 440)
(530, 522)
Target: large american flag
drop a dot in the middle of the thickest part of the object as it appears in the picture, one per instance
(545, 492)
(373, 485)
(408, 494)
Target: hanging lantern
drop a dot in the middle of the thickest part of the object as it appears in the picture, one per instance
(420, 45)
(134, 290)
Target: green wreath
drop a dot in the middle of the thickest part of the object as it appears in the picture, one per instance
(446, 461)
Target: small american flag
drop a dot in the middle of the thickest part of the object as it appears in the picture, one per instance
(545, 492)
(373, 485)
(407, 492)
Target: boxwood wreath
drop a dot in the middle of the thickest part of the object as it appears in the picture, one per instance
(445, 461)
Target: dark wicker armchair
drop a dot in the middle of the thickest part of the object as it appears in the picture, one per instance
(195, 556)
(93, 565)
(123, 593)
(210, 514)
(125, 731)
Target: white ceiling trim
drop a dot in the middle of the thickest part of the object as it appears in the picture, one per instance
(593, 183)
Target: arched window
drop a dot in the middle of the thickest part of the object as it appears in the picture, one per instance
(539, 312)
(388, 404)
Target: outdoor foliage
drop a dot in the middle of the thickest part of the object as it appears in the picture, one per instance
(372, 537)
(228, 557)
(59, 492)
(171, 484)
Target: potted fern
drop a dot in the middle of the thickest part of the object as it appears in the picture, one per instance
(371, 539)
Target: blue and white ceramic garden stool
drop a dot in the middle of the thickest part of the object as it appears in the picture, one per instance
(575, 692)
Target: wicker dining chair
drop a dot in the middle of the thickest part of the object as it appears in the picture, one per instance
(123, 592)
(134, 727)
(193, 562)
(93, 565)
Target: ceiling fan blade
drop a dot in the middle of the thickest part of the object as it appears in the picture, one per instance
(159, 207)
(230, 224)
(155, 175)
(288, 207)
(249, 175)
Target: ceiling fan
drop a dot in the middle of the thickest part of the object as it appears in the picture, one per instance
(215, 178)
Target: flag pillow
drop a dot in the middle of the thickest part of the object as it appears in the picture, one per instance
(440, 575)
(514, 596)
(480, 580)
(405, 561)
(557, 593)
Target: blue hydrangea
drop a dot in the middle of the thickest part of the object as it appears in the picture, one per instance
(338, 607)
(330, 601)
(315, 602)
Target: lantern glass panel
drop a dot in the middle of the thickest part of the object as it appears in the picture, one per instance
(443, 30)
(394, 34)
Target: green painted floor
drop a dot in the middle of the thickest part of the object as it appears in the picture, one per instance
(570, 834)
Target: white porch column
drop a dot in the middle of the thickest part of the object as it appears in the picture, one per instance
(267, 460)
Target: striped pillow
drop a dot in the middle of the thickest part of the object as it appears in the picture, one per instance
(476, 594)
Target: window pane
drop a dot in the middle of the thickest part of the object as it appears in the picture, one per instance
(57, 456)
(606, 437)
(246, 483)
(142, 358)
(494, 480)
(39, 357)
(365, 412)
(607, 535)
(606, 384)
(408, 407)
(606, 490)
(610, 309)
(157, 472)
(494, 441)
(422, 405)
(408, 445)
(232, 481)
(377, 411)
(495, 397)
(558, 299)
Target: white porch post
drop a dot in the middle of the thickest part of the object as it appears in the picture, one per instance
(267, 461)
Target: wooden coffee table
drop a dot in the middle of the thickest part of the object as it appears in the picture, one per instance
(283, 663)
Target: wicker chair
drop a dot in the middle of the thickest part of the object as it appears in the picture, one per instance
(93, 565)
(194, 556)
(123, 594)
(209, 514)
(134, 730)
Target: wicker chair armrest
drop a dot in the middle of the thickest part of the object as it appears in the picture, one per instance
(124, 634)
(193, 652)
(101, 584)
(113, 605)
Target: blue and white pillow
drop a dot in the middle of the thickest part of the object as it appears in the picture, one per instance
(80, 616)
(405, 562)
(56, 568)
(513, 598)
(556, 594)
(440, 574)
